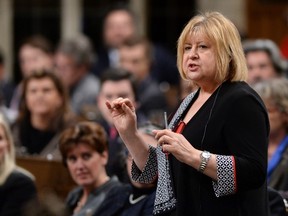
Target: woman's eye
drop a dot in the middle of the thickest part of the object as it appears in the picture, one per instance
(86, 156)
(32, 91)
(187, 48)
(71, 159)
(202, 46)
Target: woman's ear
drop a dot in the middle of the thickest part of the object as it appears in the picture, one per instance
(104, 156)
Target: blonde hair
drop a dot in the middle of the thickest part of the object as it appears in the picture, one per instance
(230, 58)
(7, 164)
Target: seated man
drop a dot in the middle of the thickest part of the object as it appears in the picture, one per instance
(136, 57)
(73, 59)
(264, 60)
(116, 83)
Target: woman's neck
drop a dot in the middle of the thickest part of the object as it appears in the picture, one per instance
(98, 183)
(40, 122)
(209, 88)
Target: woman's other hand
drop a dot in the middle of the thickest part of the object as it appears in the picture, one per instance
(177, 145)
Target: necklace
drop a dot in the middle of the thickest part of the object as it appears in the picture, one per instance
(133, 201)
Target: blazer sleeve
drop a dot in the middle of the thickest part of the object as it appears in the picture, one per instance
(246, 134)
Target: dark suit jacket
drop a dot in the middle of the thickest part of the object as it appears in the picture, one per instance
(163, 68)
(117, 203)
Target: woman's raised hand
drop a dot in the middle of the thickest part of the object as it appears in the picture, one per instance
(123, 114)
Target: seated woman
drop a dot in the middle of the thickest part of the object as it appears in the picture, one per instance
(274, 93)
(84, 149)
(43, 114)
(17, 185)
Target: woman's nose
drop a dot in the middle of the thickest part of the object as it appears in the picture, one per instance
(193, 53)
(79, 164)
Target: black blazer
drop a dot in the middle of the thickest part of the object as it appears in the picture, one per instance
(17, 190)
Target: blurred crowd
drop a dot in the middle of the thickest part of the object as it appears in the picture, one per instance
(60, 101)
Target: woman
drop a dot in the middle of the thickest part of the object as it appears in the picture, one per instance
(274, 93)
(17, 186)
(84, 151)
(36, 52)
(215, 149)
(43, 114)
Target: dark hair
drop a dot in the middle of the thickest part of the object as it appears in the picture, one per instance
(79, 48)
(40, 42)
(90, 133)
(63, 112)
(118, 74)
(140, 40)
(272, 50)
(119, 6)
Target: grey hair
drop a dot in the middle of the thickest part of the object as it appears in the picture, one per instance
(279, 63)
(79, 48)
(274, 90)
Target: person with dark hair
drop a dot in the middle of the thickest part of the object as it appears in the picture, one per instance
(212, 157)
(116, 82)
(264, 60)
(121, 23)
(73, 59)
(35, 53)
(84, 150)
(135, 55)
(44, 112)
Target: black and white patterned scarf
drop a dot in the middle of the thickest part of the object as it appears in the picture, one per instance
(165, 200)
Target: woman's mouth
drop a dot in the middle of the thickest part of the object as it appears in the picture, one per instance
(193, 67)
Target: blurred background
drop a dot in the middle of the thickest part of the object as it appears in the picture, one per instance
(160, 20)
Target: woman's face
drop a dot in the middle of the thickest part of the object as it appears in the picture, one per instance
(3, 143)
(199, 59)
(42, 97)
(32, 58)
(86, 165)
(278, 120)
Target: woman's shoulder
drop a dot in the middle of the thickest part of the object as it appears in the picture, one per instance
(115, 200)
(21, 180)
(237, 90)
(121, 188)
(237, 87)
(22, 174)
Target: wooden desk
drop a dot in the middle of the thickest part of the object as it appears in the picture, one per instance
(51, 176)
